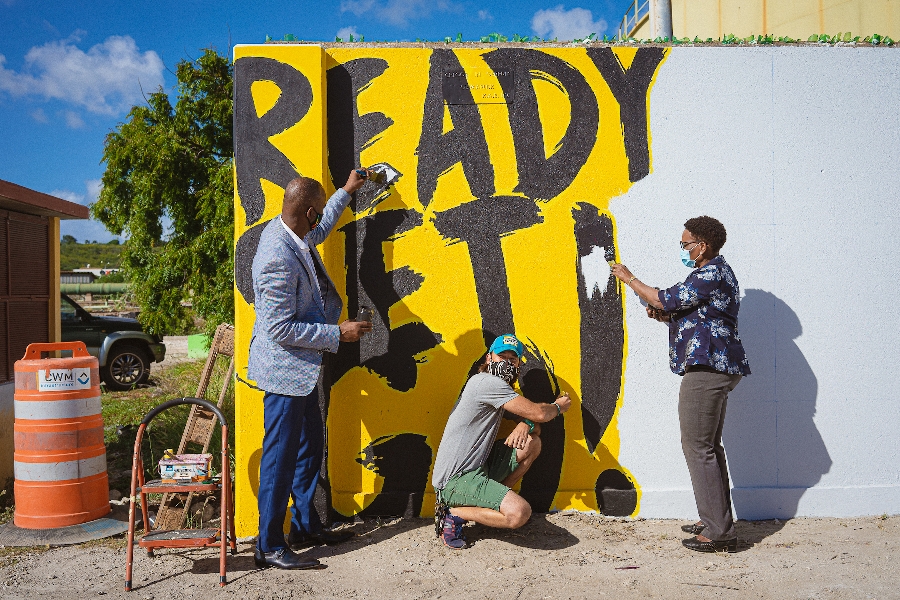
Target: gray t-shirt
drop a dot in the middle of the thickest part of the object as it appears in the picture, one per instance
(472, 427)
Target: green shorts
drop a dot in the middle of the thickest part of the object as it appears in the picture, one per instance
(481, 486)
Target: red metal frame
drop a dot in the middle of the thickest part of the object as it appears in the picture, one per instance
(139, 490)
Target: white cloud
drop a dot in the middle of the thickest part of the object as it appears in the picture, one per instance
(93, 187)
(107, 79)
(566, 24)
(40, 116)
(485, 15)
(68, 195)
(73, 120)
(345, 32)
(91, 193)
(398, 12)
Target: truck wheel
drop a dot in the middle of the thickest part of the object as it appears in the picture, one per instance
(127, 366)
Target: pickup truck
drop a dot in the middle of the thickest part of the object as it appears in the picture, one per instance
(125, 352)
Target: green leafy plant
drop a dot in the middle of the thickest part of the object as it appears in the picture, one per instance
(176, 161)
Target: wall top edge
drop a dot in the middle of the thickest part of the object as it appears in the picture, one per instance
(263, 44)
(478, 45)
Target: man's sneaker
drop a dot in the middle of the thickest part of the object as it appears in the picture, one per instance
(452, 532)
(440, 513)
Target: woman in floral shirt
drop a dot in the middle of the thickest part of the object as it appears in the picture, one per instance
(705, 348)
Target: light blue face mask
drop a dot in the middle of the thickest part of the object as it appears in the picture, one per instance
(686, 258)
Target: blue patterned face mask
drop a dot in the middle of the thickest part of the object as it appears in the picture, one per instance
(686, 258)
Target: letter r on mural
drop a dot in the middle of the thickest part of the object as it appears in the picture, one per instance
(499, 221)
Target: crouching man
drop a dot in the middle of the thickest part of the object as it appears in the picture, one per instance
(473, 474)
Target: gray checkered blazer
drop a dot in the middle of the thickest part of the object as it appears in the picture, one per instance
(293, 325)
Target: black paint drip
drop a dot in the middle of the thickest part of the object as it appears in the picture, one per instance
(602, 325)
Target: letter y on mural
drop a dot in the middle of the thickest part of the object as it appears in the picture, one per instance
(499, 223)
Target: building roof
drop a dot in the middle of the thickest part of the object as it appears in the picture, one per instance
(21, 199)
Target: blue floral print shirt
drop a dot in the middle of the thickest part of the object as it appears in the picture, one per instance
(703, 320)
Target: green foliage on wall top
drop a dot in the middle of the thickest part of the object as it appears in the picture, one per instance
(841, 38)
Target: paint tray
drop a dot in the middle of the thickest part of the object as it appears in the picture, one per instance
(185, 468)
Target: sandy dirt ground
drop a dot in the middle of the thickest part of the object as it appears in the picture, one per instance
(555, 556)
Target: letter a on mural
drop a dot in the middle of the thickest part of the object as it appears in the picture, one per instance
(498, 221)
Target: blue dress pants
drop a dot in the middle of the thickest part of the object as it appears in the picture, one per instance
(291, 460)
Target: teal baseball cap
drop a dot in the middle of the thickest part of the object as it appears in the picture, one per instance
(507, 341)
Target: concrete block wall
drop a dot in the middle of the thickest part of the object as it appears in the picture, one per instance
(796, 151)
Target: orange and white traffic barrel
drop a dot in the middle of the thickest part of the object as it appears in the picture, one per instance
(60, 457)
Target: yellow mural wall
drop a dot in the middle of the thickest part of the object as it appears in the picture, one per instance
(499, 221)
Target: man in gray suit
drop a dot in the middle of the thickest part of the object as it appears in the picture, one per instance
(297, 308)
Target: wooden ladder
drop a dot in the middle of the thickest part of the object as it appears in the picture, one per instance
(200, 424)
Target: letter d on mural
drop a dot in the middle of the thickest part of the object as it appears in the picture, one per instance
(499, 222)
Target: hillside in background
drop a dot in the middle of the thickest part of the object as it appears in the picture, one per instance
(73, 255)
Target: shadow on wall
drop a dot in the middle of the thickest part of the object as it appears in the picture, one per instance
(775, 452)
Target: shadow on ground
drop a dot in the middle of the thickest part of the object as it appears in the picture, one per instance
(539, 533)
(751, 533)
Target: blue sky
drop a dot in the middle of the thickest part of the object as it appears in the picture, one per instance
(70, 71)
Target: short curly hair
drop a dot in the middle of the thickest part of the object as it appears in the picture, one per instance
(708, 230)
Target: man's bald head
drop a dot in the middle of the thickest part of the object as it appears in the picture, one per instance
(303, 192)
(304, 198)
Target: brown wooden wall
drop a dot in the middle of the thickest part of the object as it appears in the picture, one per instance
(24, 286)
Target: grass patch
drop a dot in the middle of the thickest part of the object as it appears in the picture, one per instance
(123, 411)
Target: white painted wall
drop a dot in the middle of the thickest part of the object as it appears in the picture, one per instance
(797, 152)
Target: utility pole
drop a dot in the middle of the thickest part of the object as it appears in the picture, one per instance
(661, 19)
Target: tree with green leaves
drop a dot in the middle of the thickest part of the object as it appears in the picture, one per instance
(175, 163)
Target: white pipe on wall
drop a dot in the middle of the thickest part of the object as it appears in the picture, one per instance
(661, 19)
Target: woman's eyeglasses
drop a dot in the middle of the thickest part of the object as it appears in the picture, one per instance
(684, 245)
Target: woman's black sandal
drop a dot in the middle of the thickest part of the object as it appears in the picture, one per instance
(720, 546)
(694, 528)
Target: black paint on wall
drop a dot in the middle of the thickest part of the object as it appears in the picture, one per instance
(403, 460)
(543, 177)
(538, 383)
(602, 326)
(616, 496)
(244, 252)
(630, 87)
(255, 157)
(349, 133)
(465, 143)
(480, 224)
(388, 352)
